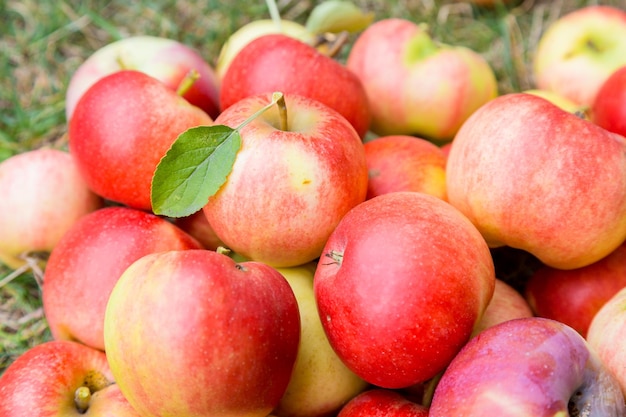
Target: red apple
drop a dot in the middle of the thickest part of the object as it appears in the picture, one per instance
(380, 402)
(506, 304)
(402, 281)
(520, 166)
(167, 60)
(43, 195)
(609, 106)
(61, 379)
(278, 62)
(192, 333)
(198, 226)
(87, 262)
(288, 189)
(405, 163)
(527, 367)
(121, 128)
(415, 85)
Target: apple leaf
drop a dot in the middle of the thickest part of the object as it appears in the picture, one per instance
(336, 16)
(193, 169)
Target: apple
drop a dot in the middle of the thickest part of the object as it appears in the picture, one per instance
(401, 283)
(288, 188)
(43, 195)
(192, 333)
(560, 101)
(562, 164)
(574, 296)
(608, 109)
(382, 402)
(197, 225)
(606, 335)
(167, 60)
(417, 86)
(579, 51)
(277, 62)
(405, 163)
(320, 383)
(121, 128)
(87, 262)
(533, 367)
(61, 379)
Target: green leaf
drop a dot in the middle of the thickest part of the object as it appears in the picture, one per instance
(336, 16)
(193, 169)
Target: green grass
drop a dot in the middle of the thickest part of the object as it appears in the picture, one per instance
(43, 41)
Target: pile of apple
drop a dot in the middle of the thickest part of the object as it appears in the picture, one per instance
(291, 234)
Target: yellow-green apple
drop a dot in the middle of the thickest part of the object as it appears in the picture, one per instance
(192, 333)
(527, 367)
(379, 402)
(197, 225)
(608, 109)
(61, 379)
(121, 128)
(562, 163)
(321, 383)
(401, 283)
(87, 262)
(278, 62)
(579, 51)
(574, 296)
(417, 86)
(43, 195)
(405, 163)
(288, 188)
(607, 333)
(560, 101)
(506, 304)
(168, 60)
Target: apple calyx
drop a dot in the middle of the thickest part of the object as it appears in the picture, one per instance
(335, 256)
(598, 393)
(187, 82)
(421, 46)
(94, 381)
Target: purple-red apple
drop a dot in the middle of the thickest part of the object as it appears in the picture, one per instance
(277, 62)
(380, 402)
(415, 85)
(87, 262)
(167, 60)
(608, 109)
(61, 379)
(121, 128)
(401, 283)
(528, 367)
(506, 304)
(43, 195)
(289, 188)
(534, 177)
(192, 333)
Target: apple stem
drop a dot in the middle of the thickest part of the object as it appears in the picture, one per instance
(331, 43)
(120, 62)
(82, 397)
(282, 113)
(276, 96)
(185, 84)
(275, 14)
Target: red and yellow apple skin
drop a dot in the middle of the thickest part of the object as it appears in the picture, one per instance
(121, 128)
(528, 367)
(288, 189)
(278, 62)
(506, 304)
(192, 333)
(43, 195)
(87, 262)
(400, 285)
(609, 109)
(415, 86)
(42, 382)
(380, 402)
(520, 167)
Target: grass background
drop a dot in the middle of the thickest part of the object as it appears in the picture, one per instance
(42, 42)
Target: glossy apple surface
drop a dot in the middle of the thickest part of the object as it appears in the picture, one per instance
(192, 333)
(379, 402)
(609, 109)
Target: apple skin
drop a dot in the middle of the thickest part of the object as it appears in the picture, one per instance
(380, 402)
(192, 333)
(579, 51)
(405, 163)
(121, 128)
(43, 195)
(198, 226)
(287, 189)
(401, 283)
(563, 165)
(278, 62)
(43, 380)
(527, 367)
(574, 296)
(167, 60)
(87, 262)
(608, 109)
(417, 87)
(320, 383)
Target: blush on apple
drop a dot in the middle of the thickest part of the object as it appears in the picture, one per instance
(609, 106)
(382, 402)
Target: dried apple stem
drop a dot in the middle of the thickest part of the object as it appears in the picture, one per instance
(275, 98)
(282, 113)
